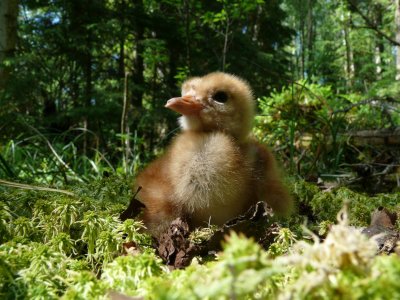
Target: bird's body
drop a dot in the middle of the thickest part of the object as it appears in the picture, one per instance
(213, 170)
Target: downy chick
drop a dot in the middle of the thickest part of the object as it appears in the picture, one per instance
(213, 170)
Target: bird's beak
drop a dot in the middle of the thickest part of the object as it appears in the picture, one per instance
(186, 105)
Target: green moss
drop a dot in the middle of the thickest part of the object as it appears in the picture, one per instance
(325, 205)
(71, 246)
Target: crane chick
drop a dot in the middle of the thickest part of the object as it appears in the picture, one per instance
(213, 170)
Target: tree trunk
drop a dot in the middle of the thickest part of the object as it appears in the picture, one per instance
(187, 31)
(379, 46)
(122, 8)
(310, 39)
(8, 35)
(88, 90)
(138, 64)
(349, 51)
(125, 130)
(397, 20)
(226, 39)
(302, 49)
(121, 59)
(388, 137)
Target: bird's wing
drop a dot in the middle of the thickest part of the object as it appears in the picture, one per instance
(267, 181)
(156, 194)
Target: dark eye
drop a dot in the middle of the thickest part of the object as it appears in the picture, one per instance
(220, 97)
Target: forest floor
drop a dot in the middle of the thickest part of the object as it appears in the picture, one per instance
(73, 244)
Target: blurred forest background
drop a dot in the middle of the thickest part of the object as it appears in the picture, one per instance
(83, 83)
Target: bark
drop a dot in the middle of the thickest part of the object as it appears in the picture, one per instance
(125, 131)
(397, 20)
(388, 137)
(310, 38)
(8, 35)
(121, 60)
(88, 74)
(88, 61)
(379, 46)
(301, 39)
(302, 49)
(138, 64)
(349, 51)
(187, 31)
(81, 16)
(122, 7)
(226, 39)
(227, 32)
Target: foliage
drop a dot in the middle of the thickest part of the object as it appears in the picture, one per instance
(323, 206)
(303, 61)
(48, 237)
(310, 124)
(78, 64)
(49, 160)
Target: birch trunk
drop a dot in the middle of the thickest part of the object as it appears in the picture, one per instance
(349, 67)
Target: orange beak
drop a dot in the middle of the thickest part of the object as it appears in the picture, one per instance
(186, 105)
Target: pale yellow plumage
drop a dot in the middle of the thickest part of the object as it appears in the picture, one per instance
(214, 170)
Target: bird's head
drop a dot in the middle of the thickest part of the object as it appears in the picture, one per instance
(215, 102)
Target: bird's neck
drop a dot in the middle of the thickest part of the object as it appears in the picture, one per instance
(195, 125)
(191, 123)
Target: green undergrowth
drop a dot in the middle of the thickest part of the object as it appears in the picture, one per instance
(54, 245)
(323, 206)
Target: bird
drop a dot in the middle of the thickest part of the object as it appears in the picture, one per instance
(214, 169)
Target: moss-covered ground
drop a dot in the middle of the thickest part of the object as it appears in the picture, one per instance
(56, 245)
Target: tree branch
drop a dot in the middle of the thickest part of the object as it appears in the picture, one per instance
(371, 25)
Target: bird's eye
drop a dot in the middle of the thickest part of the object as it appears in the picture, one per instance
(220, 97)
